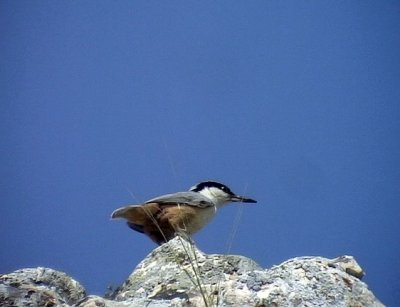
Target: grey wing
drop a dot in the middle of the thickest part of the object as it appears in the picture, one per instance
(184, 198)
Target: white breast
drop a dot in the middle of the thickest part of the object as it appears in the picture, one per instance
(203, 217)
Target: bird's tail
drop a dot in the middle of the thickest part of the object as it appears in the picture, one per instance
(137, 214)
(121, 212)
(143, 218)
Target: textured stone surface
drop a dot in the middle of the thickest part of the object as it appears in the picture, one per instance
(179, 269)
(39, 287)
(181, 274)
(178, 274)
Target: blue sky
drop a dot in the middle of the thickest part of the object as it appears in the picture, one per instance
(293, 103)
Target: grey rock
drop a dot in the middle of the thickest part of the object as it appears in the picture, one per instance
(39, 287)
(178, 274)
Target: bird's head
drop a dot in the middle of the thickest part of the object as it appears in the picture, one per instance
(219, 193)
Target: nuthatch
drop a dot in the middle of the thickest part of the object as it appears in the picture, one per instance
(163, 217)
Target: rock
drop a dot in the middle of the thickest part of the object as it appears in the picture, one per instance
(39, 287)
(178, 274)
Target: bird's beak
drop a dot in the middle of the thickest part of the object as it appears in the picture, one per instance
(241, 199)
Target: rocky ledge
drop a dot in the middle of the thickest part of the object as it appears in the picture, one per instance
(178, 274)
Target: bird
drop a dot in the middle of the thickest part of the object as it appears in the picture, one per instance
(182, 213)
